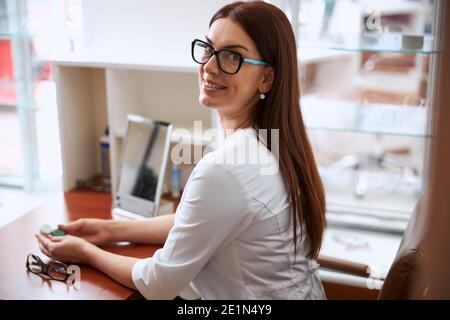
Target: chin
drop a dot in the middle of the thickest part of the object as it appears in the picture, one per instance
(208, 102)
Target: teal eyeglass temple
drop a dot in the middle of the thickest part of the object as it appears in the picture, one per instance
(253, 61)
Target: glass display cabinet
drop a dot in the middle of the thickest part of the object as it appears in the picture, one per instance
(367, 86)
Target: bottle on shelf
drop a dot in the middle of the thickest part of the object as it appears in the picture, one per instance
(104, 156)
(175, 181)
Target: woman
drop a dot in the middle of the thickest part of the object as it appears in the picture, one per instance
(237, 233)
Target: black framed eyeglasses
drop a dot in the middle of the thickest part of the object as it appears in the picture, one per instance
(53, 269)
(228, 61)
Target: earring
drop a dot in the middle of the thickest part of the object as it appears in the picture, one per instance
(262, 96)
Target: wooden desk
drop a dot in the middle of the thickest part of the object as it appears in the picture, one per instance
(17, 240)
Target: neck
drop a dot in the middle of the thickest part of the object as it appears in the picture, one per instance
(230, 123)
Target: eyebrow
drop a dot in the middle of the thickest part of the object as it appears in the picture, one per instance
(229, 46)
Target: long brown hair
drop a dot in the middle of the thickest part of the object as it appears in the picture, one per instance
(271, 30)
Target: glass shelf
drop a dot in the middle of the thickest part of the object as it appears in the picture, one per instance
(14, 35)
(7, 30)
(371, 42)
(337, 115)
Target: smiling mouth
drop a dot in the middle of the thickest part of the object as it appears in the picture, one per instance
(212, 85)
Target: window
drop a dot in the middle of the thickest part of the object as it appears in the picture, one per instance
(31, 32)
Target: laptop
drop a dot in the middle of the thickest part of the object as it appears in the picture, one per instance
(144, 155)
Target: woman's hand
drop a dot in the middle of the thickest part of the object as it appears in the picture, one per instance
(94, 231)
(66, 248)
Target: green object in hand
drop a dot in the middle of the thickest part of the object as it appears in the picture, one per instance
(58, 233)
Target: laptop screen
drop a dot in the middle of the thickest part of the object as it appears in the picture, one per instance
(144, 158)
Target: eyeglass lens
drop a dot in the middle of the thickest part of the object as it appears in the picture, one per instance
(54, 269)
(228, 61)
(34, 265)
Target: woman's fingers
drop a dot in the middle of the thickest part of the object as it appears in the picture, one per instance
(65, 227)
(44, 245)
(44, 251)
(68, 227)
(56, 238)
(44, 240)
(72, 226)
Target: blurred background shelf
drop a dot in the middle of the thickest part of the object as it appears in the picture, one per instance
(150, 61)
(372, 42)
(389, 119)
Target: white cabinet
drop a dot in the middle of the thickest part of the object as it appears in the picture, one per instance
(95, 93)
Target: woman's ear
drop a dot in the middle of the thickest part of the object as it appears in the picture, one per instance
(267, 79)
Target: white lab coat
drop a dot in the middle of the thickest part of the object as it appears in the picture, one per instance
(232, 237)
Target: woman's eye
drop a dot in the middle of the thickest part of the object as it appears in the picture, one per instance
(233, 56)
(208, 50)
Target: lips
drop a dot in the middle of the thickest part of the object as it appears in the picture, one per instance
(208, 84)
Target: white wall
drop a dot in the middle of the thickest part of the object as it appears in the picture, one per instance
(139, 27)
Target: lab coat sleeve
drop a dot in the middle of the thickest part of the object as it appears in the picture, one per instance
(212, 208)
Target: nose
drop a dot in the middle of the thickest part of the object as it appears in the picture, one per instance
(211, 66)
